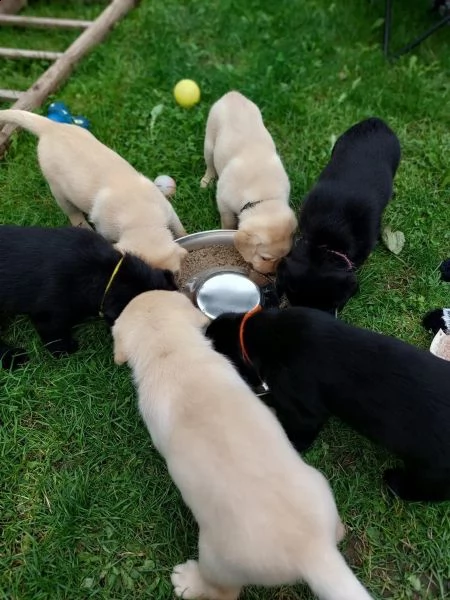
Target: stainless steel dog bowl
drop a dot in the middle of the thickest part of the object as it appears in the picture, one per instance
(217, 290)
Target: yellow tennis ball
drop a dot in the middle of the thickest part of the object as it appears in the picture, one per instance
(187, 93)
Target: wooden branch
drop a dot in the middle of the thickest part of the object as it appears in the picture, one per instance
(61, 69)
(19, 53)
(10, 94)
(45, 22)
(11, 6)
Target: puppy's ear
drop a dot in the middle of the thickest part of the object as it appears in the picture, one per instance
(245, 243)
(120, 356)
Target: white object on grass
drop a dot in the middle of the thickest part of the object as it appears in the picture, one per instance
(166, 184)
(394, 240)
(440, 345)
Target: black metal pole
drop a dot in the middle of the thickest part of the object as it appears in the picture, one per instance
(387, 26)
(423, 37)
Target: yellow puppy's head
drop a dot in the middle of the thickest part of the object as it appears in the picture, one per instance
(263, 242)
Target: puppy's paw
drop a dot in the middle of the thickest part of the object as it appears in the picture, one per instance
(60, 348)
(13, 358)
(187, 581)
(207, 178)
(340, 531)
(437, 319)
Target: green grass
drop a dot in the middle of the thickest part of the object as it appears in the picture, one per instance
(86, 506)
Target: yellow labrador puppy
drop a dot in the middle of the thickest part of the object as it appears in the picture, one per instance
(252, 187)
(87, 177)
(265, 516)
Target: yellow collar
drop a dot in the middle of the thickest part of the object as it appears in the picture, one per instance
(109, 284)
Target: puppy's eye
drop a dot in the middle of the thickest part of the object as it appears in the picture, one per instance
(267, 259)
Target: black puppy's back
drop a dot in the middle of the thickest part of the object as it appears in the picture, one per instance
(353, 189)
(373, 139)
(61, 276)
(362, 376)
(390, 391)
(340, 218)
(33, 257)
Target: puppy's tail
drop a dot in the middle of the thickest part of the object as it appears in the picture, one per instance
(28, 120)
(330, 577)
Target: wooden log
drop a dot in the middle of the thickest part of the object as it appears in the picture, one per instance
(10, 95)
(43, 22)
(39, 54)
(61, 69)
(11, 6)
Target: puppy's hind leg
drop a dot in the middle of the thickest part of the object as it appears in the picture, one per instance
(210, 175)
(189, 583)
(329, 576)
(76, 217)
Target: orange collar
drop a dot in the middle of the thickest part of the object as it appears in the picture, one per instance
(245, 318)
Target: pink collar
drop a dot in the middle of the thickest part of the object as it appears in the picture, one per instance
(344, 257)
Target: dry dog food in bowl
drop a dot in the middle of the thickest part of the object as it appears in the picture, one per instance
(210, 257)
(216, 277)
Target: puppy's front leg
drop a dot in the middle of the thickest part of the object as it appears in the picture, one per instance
(175, 224)
(210, 172)
(55, 333)
(76, 217)
(228, 219)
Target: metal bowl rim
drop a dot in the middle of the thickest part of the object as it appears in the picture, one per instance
(204, 239)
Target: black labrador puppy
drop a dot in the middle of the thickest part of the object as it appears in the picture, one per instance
(62, 276)
(340, 218)
(316, 366)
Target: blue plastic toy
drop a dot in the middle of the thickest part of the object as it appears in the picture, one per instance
(59, 112)
(81, 121)
(57, 107)
(60, 117)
